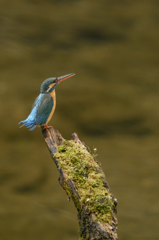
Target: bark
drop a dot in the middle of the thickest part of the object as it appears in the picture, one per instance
(90, 226)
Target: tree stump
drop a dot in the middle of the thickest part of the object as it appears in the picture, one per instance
(83, 180)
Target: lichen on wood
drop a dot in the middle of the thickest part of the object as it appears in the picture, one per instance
(84, 182)
(80, 167)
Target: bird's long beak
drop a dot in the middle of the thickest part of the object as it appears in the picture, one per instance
(62, 78)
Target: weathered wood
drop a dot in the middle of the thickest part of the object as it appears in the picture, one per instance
(91, 226)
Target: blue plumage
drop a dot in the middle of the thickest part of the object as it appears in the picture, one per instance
(40, 112)
(44, 105)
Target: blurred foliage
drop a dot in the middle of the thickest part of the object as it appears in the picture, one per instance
(112, 103)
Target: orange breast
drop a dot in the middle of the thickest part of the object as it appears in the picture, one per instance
(53, 94)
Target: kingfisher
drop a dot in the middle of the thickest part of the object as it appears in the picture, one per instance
(44, 105)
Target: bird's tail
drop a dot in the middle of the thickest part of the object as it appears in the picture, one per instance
(29, 123)
(21, 125)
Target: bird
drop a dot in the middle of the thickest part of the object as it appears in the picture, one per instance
(44, 105)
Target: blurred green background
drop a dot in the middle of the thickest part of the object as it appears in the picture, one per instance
(111, 102)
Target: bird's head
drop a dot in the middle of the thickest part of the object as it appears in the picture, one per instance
(50, 84)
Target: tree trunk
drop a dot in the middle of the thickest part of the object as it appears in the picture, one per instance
(84, 182)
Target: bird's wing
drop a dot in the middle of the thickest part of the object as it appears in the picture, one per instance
(43, 104)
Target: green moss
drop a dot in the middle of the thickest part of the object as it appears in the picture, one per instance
(81, 168)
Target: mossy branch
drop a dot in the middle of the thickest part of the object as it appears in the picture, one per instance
(84, 182)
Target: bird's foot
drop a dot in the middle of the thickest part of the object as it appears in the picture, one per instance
(46, 127)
